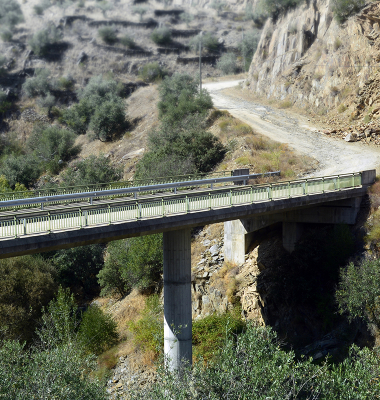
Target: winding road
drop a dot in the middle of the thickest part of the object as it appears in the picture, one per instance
(334, 156)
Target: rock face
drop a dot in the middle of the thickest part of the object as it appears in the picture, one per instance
(308, 58)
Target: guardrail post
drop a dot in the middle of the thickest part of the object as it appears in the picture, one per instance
(49, 220)
(86, 218)
(15, 224)
(187, 205)
(163, 207)
(24, 223)
(338, 182)
(270, 193)
(334, 183)
(109, 213)
(251, 194)
(304, 187)
(42, 206)
(80, 217)
(230, 197)
(353, 179)
(289, 189)
(323, 184)
(209, 200)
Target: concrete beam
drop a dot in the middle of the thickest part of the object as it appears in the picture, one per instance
(177, 298)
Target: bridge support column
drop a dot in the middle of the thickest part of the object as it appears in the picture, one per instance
(291, 233)
(235, 241)
(177, 298)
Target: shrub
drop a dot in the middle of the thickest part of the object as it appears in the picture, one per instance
(358, 293)
(98, 331)
(342, 108)
(77, 268)
(260, 15)
(53, 146)
(218, 5)
(209, 42)
(161, 36)
(10, 13)
(109, 119)
(136, 263)
(127, 41)
(227, 63)
(4, 104)
(152, 72)
(6, 35)
(148, 332)
(248, 46)
(108, 34)
(38, 9)
(187, 18)
(39, 85)
(24, 169)
(275, 8)
(27, 284)
(139, 10)
(337, 44)
(345, 8)
(42, 40)
(92, 170)
(66, 82)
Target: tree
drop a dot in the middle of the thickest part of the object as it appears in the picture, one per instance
(227, 63)
(345, 8)
(248, 46)
(161, 36)
(92, 170)
(108, 34)
(27, 284)
(139, 10)
(40, 84)
(209, 42)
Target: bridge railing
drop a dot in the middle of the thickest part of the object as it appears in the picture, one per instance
(80, 217)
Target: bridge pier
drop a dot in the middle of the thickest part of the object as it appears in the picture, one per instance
(177, 298)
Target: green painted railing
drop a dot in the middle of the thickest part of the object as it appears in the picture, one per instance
(71, 217)
(4, 196)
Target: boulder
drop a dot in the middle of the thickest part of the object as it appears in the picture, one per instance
(351, 137)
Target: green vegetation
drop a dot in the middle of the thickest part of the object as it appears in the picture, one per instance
(27, 284)
(161, 36)
(39, 85)
(127, 41)
(140, 11)
(43, 39)
(108, 34)
(101, 110)
(98, 331)
(253, 366)
(345, 8)
(248, 46)
(227, 63)
(209, 42)
(152, 72)
(91, 170)
(55, 363)
(148, 331)
(132, 263)
(10, 16)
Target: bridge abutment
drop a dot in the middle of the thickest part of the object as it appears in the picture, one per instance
(177, 298)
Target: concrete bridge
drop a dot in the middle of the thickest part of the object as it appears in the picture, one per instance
(75, 220)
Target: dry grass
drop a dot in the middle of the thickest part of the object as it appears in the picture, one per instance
(226, 282)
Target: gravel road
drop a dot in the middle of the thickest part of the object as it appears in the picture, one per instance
(334, 156)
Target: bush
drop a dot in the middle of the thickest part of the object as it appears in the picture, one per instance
(26, 285)
(227, 64)
(66, 82)
(42, 40)
(161, 36)
(152, 72)
(135, 263)
(180, 97)
(23, 169)
(127, 41)
(90, 171)
(345, 8)
(209, 42)
(39, 85)
(77, 269)
(248, 46)
(6, 34)
(139, 10)
(275, 7)
(109, 119)
(148, 332)
(53, 146)
(358, 294)
(10, 13)
(98, 331)
(108, 34)
(4, 104)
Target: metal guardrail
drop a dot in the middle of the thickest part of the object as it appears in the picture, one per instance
(77, 218)
(55, 199)
(4, 196)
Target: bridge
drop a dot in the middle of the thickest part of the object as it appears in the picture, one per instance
(37, 224)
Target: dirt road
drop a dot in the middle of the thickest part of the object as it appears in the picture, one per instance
(334, 156)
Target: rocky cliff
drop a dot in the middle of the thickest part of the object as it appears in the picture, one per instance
(306, 58)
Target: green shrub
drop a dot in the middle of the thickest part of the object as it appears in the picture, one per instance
(66, 82)
(127, 41)
(92, 170)
(43, 39)
(109, 119)
(161, 36)
(227, 63)
(108, 34)
(140, 11)
(277, 7)
(6, 35)
(218, 5)
(248, 46)
(39, 85)
(148, 332)
(358, 294)
(4, 104)
(53, 146)
(152, 72)
(38, 9)
(10, 13)
(77, 268)
(21, 168)
(345, 8)
(209, 42)
(132, 263)
(26, 285)
(98, 331)
(186, 17)
(210, 333)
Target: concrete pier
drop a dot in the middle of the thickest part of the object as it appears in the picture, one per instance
(177, 298)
